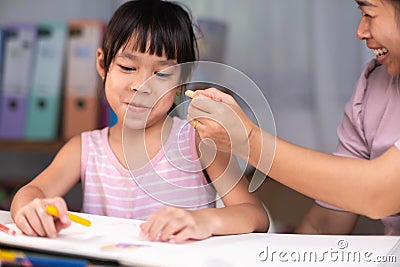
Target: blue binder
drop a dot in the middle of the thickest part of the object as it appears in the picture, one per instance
(18, 58)
(45, 95)
(2, 36)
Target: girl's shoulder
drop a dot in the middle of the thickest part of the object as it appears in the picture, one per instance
(95, 136)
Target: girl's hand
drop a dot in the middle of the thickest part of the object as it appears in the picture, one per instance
(176, 225)
(33, 220)
(221, 119)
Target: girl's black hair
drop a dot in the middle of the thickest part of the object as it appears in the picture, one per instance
(159, 27)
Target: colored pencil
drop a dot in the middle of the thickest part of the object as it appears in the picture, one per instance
(7, 230)
(52, 210)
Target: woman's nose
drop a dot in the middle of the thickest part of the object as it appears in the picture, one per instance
(363, 31)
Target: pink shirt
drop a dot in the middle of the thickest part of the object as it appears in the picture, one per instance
(371, 123)
(173, 177)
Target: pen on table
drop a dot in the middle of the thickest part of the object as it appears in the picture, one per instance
(45, 261)
(38, 260)
(11, 258)
(52, 210)
(7, 230)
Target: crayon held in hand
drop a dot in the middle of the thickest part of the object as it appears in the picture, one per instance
(52, 210)
(189, 93)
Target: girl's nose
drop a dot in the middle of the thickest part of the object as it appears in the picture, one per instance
(363, 31)
(140, 84)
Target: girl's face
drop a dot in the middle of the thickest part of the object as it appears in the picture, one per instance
(140, 87)
(380, 29)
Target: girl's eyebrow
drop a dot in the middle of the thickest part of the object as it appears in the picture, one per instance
(127, 55)
(130, 56)
(167, 62)
(365, 3)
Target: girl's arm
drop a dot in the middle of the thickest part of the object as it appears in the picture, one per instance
(29, 203)
(243, 212)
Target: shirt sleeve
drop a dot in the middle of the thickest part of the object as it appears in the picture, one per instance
(397, 144)
(351, 138)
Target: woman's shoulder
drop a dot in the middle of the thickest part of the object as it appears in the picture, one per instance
(374, 80)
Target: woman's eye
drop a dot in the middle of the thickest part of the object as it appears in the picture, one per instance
(367, 15)
(126, 68)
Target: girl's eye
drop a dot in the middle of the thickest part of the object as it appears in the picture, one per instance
(126, 68)
(162, 74)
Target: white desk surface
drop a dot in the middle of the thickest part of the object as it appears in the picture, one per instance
(117, 239)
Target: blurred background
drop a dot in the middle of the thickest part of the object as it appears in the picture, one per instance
(302, 54)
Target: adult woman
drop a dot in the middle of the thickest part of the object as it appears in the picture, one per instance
(367, 179)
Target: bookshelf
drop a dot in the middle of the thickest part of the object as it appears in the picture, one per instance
(21, 160)
(31, 146)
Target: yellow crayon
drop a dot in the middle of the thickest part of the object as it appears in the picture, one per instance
(52, 210)
(189, 93)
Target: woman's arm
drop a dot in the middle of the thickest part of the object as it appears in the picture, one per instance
(29, 203)
(324, 221)
(367, 187)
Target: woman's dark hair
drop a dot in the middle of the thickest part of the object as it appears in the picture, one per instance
(396, 4)
(159, 27)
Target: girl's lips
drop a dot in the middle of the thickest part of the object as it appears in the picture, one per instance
(134, 108)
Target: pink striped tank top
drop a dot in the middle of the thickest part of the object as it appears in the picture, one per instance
(174, 177)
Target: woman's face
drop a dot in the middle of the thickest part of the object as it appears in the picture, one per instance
(380, 29)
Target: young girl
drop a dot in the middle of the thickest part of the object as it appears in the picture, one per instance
(126, 170)
(364, 176)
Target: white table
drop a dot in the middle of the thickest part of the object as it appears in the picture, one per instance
(237, 250)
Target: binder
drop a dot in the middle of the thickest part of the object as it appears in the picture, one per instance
(44, 101)
(18, 59)
(2, 36)
(82, 96)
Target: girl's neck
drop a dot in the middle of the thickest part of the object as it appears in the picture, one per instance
(137, 147)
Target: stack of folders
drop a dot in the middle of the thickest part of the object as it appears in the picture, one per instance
(49, 86)
(19, 47)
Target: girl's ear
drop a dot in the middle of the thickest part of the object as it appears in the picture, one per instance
(100, 63)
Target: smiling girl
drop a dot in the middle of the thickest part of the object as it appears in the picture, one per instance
(127, 170)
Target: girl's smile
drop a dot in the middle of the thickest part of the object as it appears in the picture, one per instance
(138, 108)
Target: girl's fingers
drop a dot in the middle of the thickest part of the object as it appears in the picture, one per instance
(184, 235)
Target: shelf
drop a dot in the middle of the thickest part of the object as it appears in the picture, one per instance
(31, 146)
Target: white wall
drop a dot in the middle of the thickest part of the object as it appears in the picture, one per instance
(303, 54)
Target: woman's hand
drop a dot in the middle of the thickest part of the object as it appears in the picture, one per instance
(222, 120)
(33, 220)
(175, 225)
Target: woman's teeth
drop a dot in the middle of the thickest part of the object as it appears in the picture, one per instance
(380, 51)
